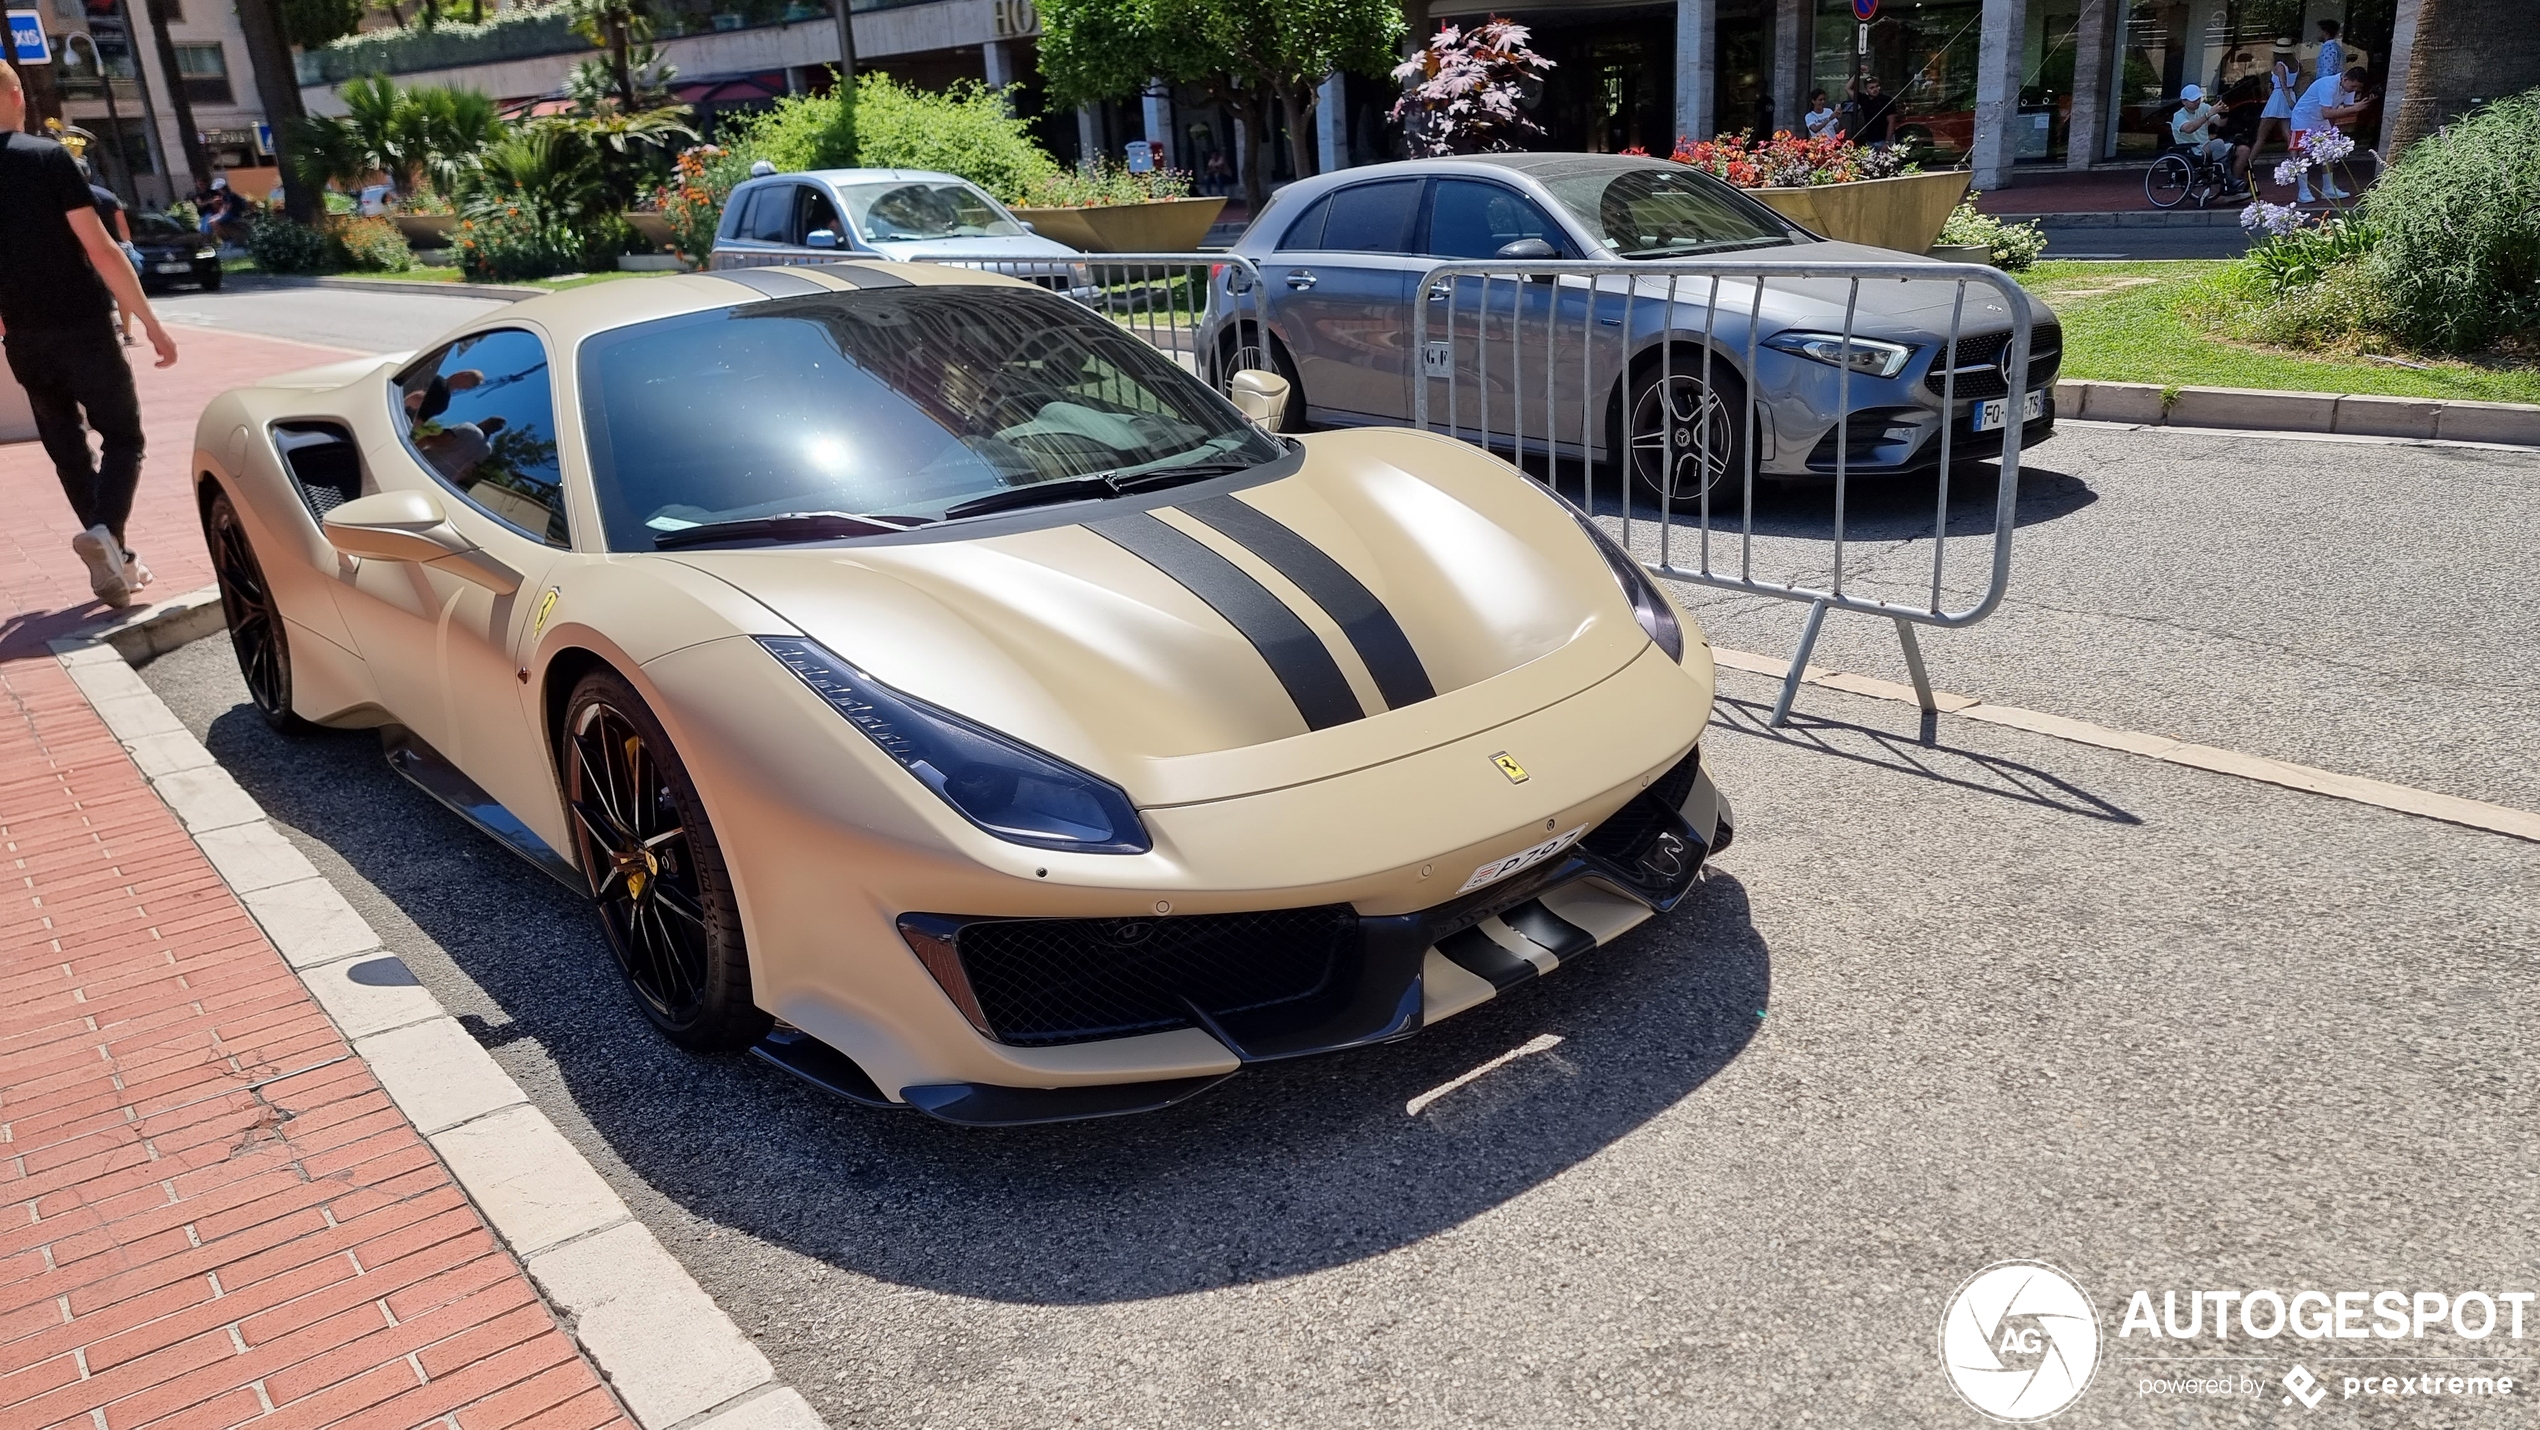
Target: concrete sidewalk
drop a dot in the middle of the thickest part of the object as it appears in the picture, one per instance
(214, 1214)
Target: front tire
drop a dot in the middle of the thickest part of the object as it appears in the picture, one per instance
(656, 872)
(1684, 438)
(256, 632)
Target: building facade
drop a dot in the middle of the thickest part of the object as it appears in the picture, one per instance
(115, 85)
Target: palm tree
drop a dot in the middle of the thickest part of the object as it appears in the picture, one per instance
(198, 162)
(2465, 51)
(278, 88)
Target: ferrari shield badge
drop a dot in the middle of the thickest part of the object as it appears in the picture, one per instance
(1508, 766)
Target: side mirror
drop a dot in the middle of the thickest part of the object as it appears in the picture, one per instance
(821, 238)
(410, 526)
(1528, 250)
(1261, 396)
(1028, 225)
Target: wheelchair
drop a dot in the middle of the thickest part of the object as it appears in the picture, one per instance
(2184, 172)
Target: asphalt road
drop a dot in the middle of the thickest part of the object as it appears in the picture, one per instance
(2145, 241)
(1946, 1003)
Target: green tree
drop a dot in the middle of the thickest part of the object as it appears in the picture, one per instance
(312, 23)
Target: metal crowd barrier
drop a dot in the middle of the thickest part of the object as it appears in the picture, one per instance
(1553, 361)
(1161, 297)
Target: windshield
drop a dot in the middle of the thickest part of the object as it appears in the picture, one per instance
(159, 228)
(1666, 212)
(898, 211)
(893, 403)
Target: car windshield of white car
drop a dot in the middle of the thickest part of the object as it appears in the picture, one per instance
(897, 404)
(1666, 213)
(898, 212)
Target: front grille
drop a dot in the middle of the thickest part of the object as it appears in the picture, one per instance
(1978, 377)
(1619, 839)
(1042, 982)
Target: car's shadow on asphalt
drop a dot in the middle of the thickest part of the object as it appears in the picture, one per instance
(1874, 508)
(1285, 1169)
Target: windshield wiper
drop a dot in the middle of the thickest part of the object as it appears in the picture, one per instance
(784, 526)
(1092, 487)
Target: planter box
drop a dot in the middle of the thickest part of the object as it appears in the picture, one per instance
(654, 228)
(1904, 213)
(426, 230)
(1162, 226)
(1962, 252)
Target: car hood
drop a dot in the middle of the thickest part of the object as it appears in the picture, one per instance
(1024, 245)
(1066, 638)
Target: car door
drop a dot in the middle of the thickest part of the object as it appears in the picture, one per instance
(763, 230)
(1511, 342)
(477, 428)
(1340, 295)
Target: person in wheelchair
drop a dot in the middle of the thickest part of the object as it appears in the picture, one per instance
(2196, 129)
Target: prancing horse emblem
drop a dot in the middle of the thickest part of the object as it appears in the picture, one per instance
(1508, 766)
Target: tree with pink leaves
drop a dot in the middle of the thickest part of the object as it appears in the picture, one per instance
(1464, 92)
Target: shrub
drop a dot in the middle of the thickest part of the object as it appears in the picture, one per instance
(1464, 92)
(1787, 161)
(2347, 308)
(505, 239)
(1105, 183)
(280, 246)
(803, 131)
(2011, 247)
(692, 202)
(2458, 224)
(370, 245)
(2304, 254)
(966, 130)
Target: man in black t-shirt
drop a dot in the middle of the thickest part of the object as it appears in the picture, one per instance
(1874, 122)
(60, 276)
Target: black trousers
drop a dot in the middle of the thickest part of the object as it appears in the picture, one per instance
(70, 371)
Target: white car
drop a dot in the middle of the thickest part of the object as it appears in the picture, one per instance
(827, 214)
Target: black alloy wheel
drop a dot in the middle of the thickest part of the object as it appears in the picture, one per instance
(1686, 437)
(656, 872)
(255, 623)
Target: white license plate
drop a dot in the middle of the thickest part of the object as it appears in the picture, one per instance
(1498, 869)
(172, 268)
(1989, 415)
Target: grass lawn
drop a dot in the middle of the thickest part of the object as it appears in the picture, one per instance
(2140, 322)
(420, 274)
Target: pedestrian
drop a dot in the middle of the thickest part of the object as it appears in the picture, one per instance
(2332, 100)
(1821, 118)
(119, 228)
(2196, 126)
(2332, 53)
(1875, 122)
(60, 276)
(2283, 82)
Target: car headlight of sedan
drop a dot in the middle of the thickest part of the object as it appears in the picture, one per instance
(1648, 607)
(1873, 357)
(1002, 785)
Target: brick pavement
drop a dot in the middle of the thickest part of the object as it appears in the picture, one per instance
(210, 1213)
(44, 586)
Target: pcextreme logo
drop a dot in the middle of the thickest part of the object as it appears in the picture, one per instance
(2020, 1341)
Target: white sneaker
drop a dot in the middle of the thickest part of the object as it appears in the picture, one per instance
(136, 575)
(107, 578)
(2335, 192)
(2303, 196)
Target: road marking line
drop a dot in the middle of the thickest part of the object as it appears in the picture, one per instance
(1539, 1043)
(2356, 789)
(2366, 439)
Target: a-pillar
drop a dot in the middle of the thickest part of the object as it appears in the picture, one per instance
(1998, 55)
(1159, 117)
(1331, 123)
(1793, 30)
(1697, 50)
(2094, 63)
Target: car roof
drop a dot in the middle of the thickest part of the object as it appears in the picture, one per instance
(868, 176)
(576, 313)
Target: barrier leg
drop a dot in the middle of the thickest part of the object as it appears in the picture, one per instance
(1799, 663)
(1914, 665)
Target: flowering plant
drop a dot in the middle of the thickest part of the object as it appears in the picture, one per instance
(692, 202)
(2317, 149)
(1787, 161)
(1105, 182)
(1464, 92)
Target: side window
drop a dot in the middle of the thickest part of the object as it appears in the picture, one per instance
(479, 414)
(1470, 219)
(813, 212)
(1373, 218)
(771, 211)
(736, 215)
(1307, 231)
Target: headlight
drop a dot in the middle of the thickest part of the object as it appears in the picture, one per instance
(1648, 607)
(1004, 786)
(207, 253)
(1871, 356)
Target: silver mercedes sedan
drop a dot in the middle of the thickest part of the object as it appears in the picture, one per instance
(1342, 257)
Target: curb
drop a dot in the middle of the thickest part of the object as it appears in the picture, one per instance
(2259, 410)
(2132, 218)
(663, 1347)
(509, 292)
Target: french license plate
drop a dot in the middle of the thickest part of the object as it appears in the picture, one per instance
(172, 268)
(1498, 869)
(1988, 415)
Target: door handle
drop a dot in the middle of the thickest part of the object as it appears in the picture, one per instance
(1301, 279)
(1440, 292)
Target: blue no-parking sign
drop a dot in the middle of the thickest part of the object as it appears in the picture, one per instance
(1865, 10)
(26, 38)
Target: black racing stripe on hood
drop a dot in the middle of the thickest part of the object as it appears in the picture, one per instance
(1295, 654)
(1371, 629)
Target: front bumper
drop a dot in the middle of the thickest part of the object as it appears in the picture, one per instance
(1352, 979)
